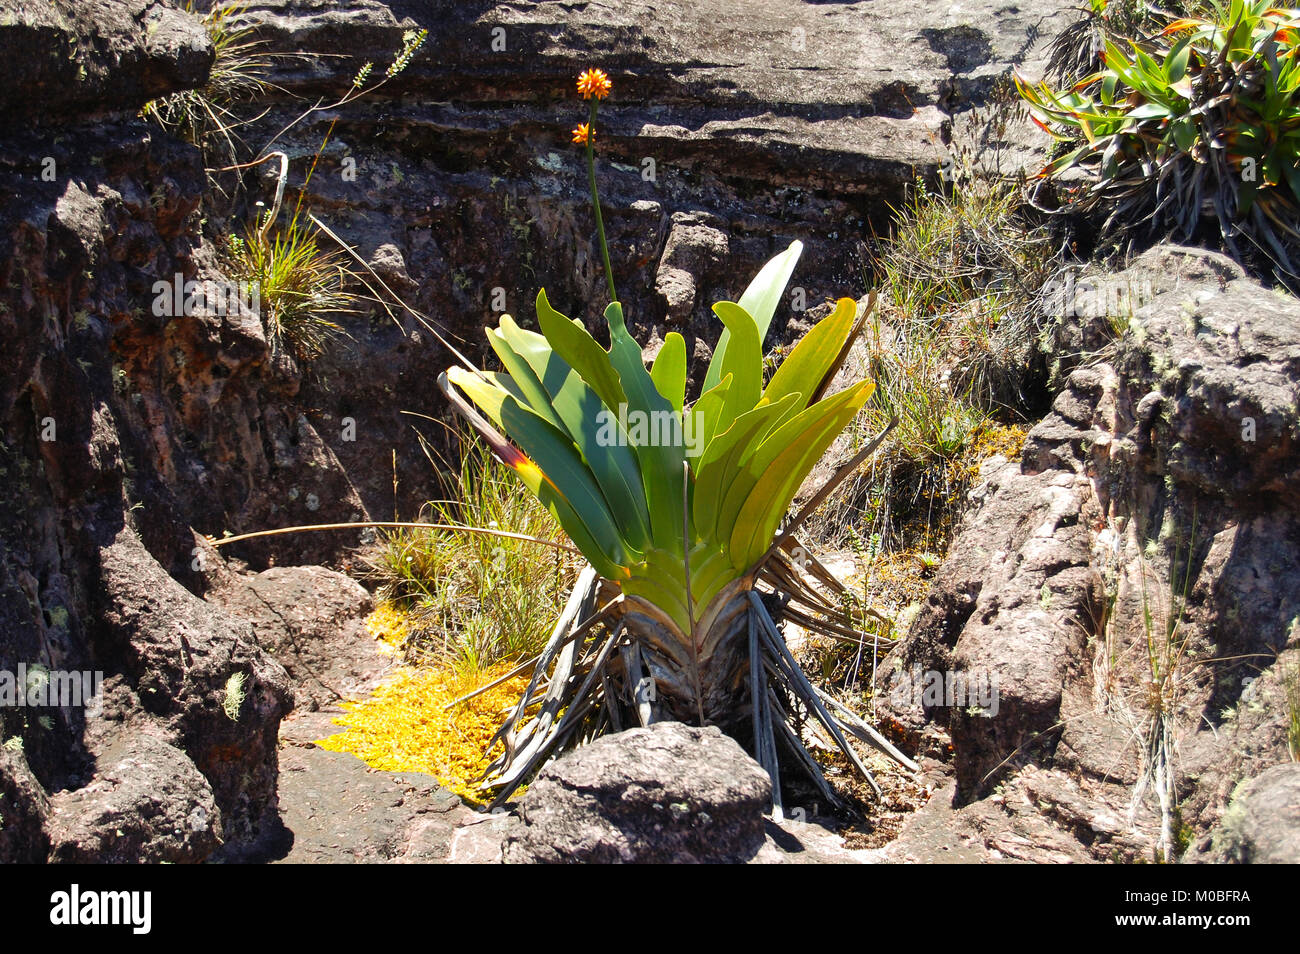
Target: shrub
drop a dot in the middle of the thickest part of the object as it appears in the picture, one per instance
(1201, 119)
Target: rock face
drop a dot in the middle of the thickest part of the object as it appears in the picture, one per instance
(666, 794)
(311, 620)
(1261, 825)
(132, 423)
(1156, 506)
(103, 401)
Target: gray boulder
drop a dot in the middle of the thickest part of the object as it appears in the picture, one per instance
(665, 794)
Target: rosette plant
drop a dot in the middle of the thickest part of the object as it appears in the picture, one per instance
(680, 509)
(1199, 121)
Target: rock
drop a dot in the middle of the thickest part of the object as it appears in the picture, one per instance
(668, 793)
(71, 57)
(1160, 495)
(692, 249)
(1261, 825)
(311, 620)
(201, 676)
(24, 808)
(147, 804)
(1001, 609)
(337, 810)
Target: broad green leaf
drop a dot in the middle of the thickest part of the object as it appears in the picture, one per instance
(526, 380)
(760, 300)
(779, 481)
(491, 399)
(669, 370)
(594, 428)
(703, 419)
(583, 352)
(1176, 61)
(661, 461)
(564, 469)
(804, 368)
(719, 466)
(743, 361)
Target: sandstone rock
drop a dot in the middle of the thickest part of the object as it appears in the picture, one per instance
(311, 620)
(1262, 824)
(1159, 495)
(24, 808)
(147, 804)
(201, 675)
(71, 57)
(669, 793)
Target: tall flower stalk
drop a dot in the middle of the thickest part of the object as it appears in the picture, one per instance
(594, 85)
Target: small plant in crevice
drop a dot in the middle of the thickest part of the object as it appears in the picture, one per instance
(303, 288)
(232, 700)
(1291, 686)
(204, 116)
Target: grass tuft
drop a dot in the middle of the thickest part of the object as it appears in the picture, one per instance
(476, 600)
(302, 288)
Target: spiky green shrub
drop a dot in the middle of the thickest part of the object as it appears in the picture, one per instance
(1201, 120)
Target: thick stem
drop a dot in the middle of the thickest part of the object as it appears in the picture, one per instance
(595, 198)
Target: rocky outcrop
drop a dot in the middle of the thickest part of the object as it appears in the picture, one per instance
(666, 794)
(311, 620)
(1131, 583)
(1261, 824)
(105, 402)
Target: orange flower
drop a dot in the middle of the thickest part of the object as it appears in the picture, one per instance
(582, 134)
(594, 83)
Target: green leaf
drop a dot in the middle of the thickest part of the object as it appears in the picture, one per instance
(597, 432)
(743, 361)
(583, 353)
(492, 398)
(565, 470)
(780, 474)
(669, 370)
(524, 377)
(760, 300)
(703, 418)
(1176, 61)
(719, 466)
(804, 368)
(662, 462)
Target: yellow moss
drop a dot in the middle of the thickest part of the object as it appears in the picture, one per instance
(390, 626)
(992, 439)
(403, 727)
